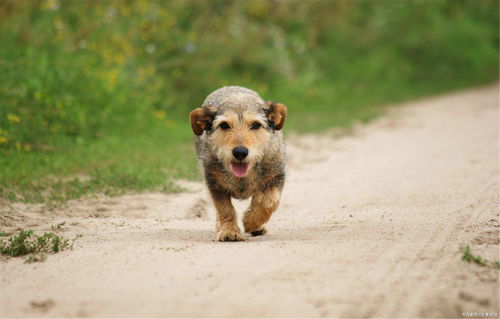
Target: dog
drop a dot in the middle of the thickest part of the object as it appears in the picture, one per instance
(242, 154)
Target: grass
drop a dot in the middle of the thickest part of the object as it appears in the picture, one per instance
(467, 256)
(111, 166)
(36, 246)
(94, 96)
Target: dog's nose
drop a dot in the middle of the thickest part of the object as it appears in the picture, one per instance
(240, 152)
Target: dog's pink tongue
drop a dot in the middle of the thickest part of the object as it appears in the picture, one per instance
(239, 169)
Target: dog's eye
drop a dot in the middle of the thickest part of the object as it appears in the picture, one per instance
(224, 126)
(255, 126)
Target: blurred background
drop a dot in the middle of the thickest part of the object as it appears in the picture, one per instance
(95, 95)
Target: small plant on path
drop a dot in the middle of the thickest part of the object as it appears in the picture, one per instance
(470, 258)
(37, 246)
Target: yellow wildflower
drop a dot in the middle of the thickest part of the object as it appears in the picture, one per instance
(111, 77)
(159, 114)
(52, 5)
(119, 59)
(3, 140)
(58, 24)
(13, 118)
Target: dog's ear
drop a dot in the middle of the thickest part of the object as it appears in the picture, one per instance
(201, 119)
(276, 114)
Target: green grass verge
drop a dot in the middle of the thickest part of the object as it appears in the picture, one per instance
(110, 166)
(94, 96)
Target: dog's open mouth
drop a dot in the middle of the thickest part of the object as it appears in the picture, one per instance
(239, 169)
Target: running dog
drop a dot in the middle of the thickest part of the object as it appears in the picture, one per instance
(242, 154)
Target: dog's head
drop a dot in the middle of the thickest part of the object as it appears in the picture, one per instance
(239, 132)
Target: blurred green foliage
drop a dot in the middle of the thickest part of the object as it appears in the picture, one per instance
(103, 88)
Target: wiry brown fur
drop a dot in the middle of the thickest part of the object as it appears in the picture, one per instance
(240, 108)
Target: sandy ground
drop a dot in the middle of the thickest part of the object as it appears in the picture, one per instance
(370, 225)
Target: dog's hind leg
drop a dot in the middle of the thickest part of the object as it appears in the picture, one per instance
(226, 227)
(261, 208)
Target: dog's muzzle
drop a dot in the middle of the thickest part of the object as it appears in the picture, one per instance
(239, 168)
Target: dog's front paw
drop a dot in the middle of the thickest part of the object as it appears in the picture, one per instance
(229, 234)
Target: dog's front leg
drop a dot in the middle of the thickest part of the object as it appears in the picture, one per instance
(261, 208)
(226, 227)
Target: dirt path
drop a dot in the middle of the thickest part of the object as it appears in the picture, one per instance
(369, 226)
